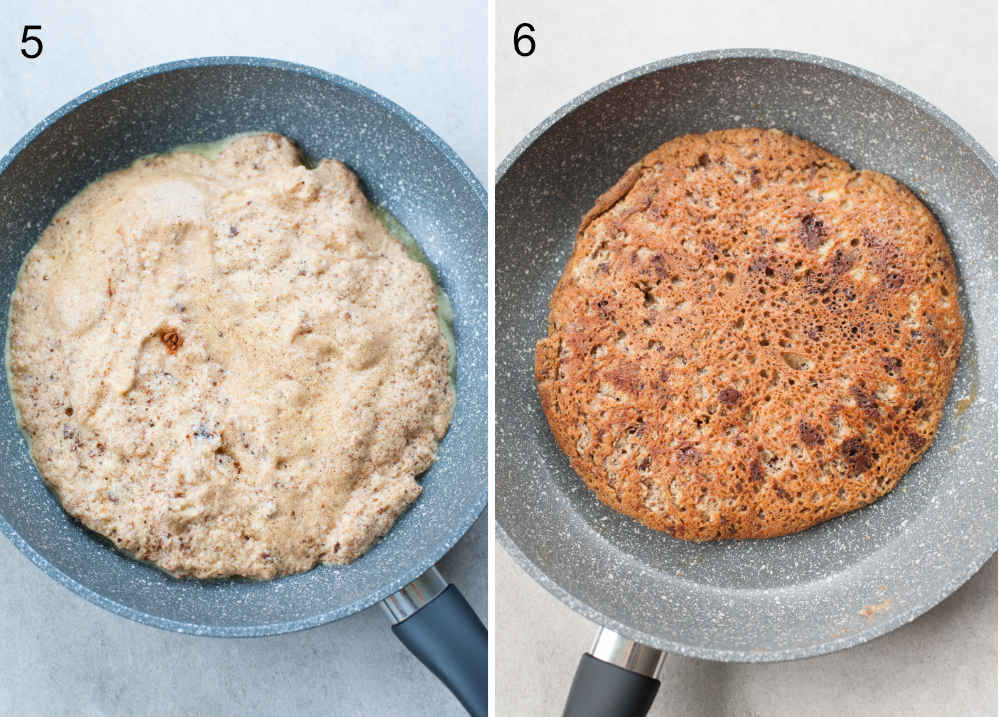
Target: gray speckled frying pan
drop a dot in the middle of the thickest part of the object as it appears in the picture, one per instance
(840, 583)
(404, 166)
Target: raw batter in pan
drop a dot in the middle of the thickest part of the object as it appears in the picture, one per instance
(229, 366)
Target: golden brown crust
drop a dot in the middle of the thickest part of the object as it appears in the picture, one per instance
(749, 337)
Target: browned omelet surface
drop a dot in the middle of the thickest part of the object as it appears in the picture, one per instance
(749, 338)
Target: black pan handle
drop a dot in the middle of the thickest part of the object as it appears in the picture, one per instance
(617, 680)
(439, 627)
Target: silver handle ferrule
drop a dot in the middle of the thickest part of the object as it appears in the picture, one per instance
(628, 654)
(406, 601)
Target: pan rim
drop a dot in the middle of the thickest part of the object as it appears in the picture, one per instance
(738, 54)
(596, 615)
(461, 521)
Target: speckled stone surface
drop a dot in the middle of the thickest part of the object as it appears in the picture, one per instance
(402, 166)
(831, 587)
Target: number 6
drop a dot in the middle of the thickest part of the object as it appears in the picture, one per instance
(518, 38)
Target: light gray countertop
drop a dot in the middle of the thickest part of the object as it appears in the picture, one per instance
(61, 655)
(944, 663)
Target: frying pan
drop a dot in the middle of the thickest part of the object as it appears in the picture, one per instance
(404, 166)
(835, 585)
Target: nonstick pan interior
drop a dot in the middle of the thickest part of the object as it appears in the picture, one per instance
(835, 585)
(402, 165)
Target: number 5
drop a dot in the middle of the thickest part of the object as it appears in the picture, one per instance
(25, 38)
